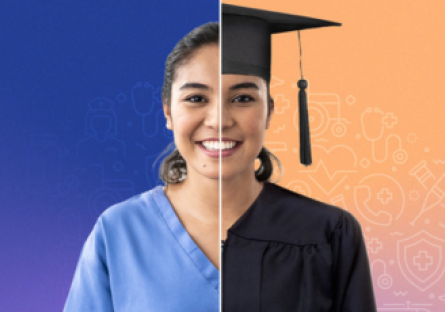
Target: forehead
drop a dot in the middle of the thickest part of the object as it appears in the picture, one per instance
(202, 66)
(229, 80)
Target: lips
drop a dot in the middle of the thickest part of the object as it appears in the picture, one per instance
(216, 145)
(225, 139)
(211, 146)
(214, 153)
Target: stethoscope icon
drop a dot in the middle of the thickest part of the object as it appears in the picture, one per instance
(399, 156)
(384, 280)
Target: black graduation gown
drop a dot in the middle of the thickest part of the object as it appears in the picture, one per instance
(289, 252)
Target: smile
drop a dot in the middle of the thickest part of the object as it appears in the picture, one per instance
(215, 145)
(214, 149)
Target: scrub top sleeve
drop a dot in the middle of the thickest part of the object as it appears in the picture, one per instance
(352, 281)
(90, 289)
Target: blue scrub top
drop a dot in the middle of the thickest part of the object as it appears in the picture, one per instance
(139, 257)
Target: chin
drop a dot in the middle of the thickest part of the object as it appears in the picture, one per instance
(227, 175)
(212, 174)
(212, 177)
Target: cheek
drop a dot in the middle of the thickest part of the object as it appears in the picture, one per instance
(254, 122)
(184, 121)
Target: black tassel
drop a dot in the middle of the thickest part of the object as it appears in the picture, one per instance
(305, 137)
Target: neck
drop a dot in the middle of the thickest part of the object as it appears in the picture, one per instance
(237, 196)
(200, 195)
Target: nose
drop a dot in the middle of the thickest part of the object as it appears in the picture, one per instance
(227, 120)
(212, 115)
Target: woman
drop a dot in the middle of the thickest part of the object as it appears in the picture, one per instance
(159, 250)
(283, 251)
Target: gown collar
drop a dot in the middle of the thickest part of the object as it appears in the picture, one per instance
(243, 221)
(285, 216)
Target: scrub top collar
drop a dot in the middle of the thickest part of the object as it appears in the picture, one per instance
(203, 264)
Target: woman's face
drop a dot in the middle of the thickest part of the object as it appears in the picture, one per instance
(244, 118)
(193, 115)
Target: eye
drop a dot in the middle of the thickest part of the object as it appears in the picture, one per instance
(243, 99)
(196, 99)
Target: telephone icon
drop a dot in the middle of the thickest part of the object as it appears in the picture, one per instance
(362, 197)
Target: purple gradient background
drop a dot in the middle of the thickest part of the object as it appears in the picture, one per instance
(60, 64)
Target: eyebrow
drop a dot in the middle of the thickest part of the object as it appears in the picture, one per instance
(194, 85)
(244, 85)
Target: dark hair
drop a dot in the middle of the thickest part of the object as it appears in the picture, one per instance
(173, 168)
(264, 172)
(201, 36)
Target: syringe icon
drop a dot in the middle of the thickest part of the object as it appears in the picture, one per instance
(423, 174)
(436, 194)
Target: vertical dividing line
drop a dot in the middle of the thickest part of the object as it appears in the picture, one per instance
(220, 158)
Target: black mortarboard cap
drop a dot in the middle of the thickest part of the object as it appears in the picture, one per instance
(246, 50)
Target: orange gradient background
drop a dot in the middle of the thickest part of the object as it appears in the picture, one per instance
(375, 100)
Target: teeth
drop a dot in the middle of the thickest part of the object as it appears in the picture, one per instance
(214, 145)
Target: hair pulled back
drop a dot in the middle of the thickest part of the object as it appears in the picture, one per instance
(173, 168)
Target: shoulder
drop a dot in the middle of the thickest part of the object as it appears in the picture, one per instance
(348, 226)
(134, 209)
(301, 219)
(290, 202)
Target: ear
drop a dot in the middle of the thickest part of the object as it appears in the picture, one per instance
(271, 111)
(167, 114)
